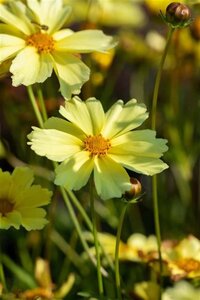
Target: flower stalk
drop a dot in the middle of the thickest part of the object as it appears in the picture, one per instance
(153, 127)
(119, 230)
(96, 243)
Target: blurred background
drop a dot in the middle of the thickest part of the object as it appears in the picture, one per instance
(126, 72)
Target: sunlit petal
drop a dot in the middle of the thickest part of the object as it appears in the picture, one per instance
(53, 144)
(41, 67)
(86, 41)
(71, 113)
(75, 172)
(111, 180)
(72, 73)
(9, 46)
(121, 118)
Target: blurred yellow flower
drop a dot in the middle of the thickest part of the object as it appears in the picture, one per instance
(182, 290)
(157, 5)
(46, 289)
(184, 259)
(108, 12)
(20, 202)
(31, 36)
(138, 247)
(99, 143)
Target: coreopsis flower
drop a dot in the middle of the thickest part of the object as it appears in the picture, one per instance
(184, 259)
(32, 37)
(99, 143)
(20, 201)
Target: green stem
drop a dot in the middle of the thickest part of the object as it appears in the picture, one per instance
(88, 223)
(96, 243)
(2, 277)
(117, 273)
(78, 229)
(35, 106)
(158, 78)
(42, 103)
(153, 126)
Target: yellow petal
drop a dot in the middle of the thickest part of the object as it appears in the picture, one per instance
(35, 196)
(74, 173)
(41, 67)
(72, 73)
(53, 144)
(51, 13)
(9, 46)
(97, 114)
(111, 179)
(76, 111)
(121, 118)
(14, 20)
(86, 41)
(142, 143)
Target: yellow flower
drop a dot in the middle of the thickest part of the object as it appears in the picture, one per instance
(32, 37)
(184, 259)
(100, 143)
(20, 202)
(108, 12)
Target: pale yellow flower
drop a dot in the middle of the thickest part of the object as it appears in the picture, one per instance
(32, 37)
(99, 143)
(108, 12)
(20, 201)
(184, 259)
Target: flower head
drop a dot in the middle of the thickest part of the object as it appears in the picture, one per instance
(98, 142)
(178, 15)
(20, 202)
(32, 37)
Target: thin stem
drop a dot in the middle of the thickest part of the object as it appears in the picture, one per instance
(88, 223)
(96, 243)
(35, 106)
(42, 103)
(117, 273)
(153, 126)
(158, 78)
(78, 229)
(2, 277)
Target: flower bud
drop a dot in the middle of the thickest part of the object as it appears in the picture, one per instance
(178, 15)
(135, 190)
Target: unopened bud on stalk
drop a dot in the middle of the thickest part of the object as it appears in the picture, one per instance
(178, 15)
(135, 190)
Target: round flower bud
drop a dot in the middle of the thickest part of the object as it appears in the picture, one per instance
(195, 29)
(135, 190)
(178, 14)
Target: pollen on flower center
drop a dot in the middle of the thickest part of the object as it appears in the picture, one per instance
(189, 265)
(97, 145)
(5, 206)
(42, 41)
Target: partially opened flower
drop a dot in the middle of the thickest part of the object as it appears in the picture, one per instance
(33, 38)
(20, 201)
(92, 141)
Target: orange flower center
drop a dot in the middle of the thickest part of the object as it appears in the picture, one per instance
(42, 41)
(97, 145)
(5, 206)
(189, 265)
